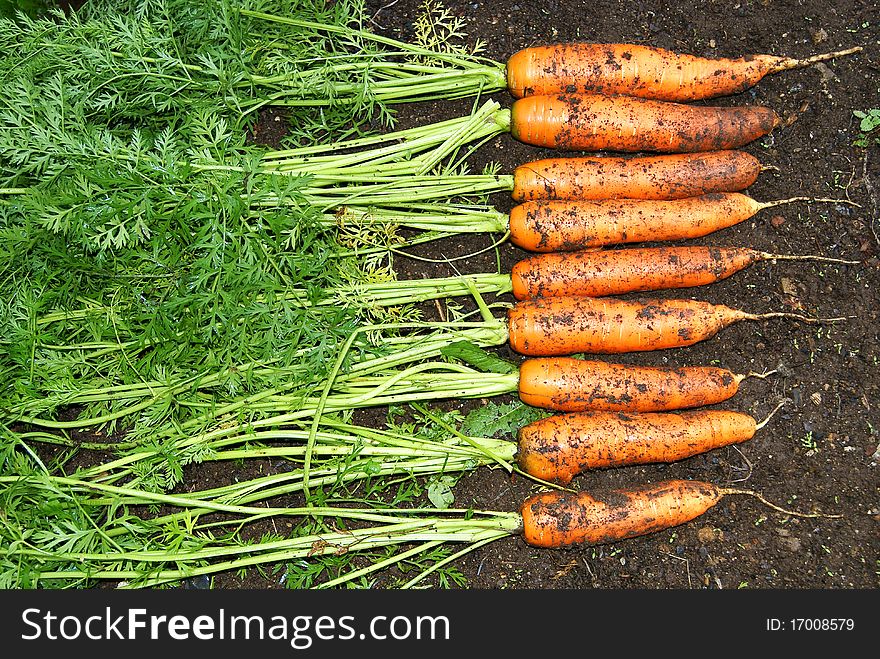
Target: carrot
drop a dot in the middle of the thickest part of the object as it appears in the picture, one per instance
(641, 71)
(556, 225)
(569, 325)
(560, 518)
(559, 447)
(566, 384)
(613, 272)
(596, 122)
(667, 176)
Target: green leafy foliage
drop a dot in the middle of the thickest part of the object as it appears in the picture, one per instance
(869, 127)
(500, 419)
(10, 8)
(440, 491)
(147, 263)
(478, 357)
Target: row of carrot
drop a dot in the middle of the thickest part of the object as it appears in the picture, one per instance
(632, 414)
(610, 414)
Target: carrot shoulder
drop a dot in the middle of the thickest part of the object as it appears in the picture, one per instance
(557, 519)
(595, 122)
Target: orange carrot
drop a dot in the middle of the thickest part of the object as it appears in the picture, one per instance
(613, 272)
(595, 122)
(641, 71)
(559, 518)
(569, 325)
(667, 176)
(566, 384)
(559, 447)
(552, 226)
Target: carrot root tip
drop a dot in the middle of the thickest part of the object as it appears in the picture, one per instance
(785, 511)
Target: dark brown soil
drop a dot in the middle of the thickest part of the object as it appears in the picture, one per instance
(820, 453)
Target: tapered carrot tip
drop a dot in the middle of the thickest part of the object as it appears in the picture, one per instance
(786, 63)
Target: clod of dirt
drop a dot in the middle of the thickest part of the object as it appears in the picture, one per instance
(825, 71)
(708, 534)
(819, 36)
(791, 544)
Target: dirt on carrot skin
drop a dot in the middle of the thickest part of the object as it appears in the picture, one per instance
(820, 452)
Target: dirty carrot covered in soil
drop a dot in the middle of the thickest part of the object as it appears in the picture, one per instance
(664, 176)
(559, 518)
(595, 122)
(569, 325)
(559, 225)
(568, 384)
(557, 448)
(614, 272)
(644, 71)
(555, 225)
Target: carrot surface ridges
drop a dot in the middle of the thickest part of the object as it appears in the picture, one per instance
(569, 325)
(595, 122)
(614, 272)
(559, 447)
(639, 70)
(574, 385)
(552, 226)
(667, 176)
(558, 518)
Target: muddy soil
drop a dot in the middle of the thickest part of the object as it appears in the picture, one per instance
(821, 451)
